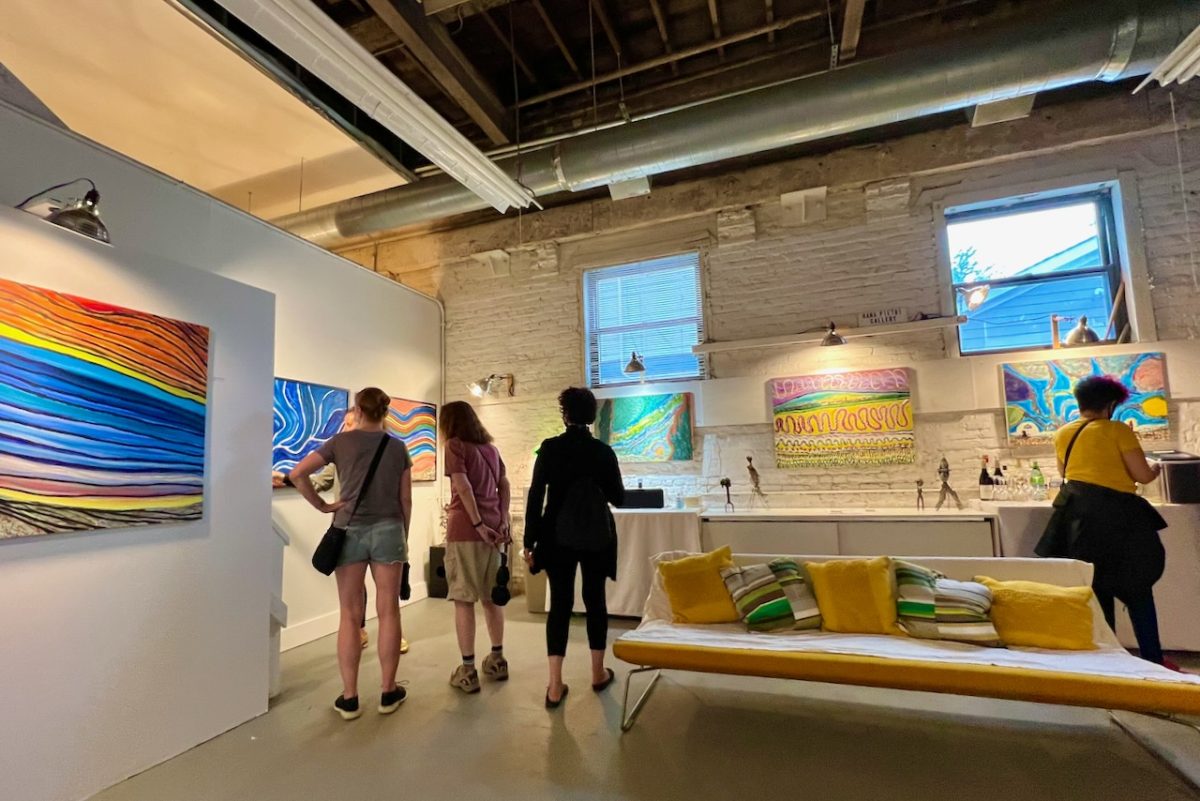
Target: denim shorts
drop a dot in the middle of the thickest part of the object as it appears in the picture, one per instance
(382, 541)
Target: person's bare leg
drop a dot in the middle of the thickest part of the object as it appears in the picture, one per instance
(350, 601)
(599, 673)
(464, 627)
(554, 689)
(387, 606)
(494, 617)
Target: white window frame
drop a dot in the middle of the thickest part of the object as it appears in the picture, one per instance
(595, 382)
(1122, 186)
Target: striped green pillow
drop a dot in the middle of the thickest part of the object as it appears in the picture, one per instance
(773, 597)
(932, 607)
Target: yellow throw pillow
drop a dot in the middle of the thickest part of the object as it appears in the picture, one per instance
(696, 590)
(1035, 615)
(856, 596)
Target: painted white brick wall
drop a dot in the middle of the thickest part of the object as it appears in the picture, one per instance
(876, 249)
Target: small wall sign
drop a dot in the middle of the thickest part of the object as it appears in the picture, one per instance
(890, 316)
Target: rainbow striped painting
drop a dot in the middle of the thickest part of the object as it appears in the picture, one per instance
(102, 415)
(305, 417)
(854, 419)
(650, 428)
(1039, 396)
(415, 424)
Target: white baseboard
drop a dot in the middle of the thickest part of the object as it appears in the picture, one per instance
(323, 625)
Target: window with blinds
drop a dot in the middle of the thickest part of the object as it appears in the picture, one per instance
(653, 307)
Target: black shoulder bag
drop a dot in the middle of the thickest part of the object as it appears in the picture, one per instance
(1054, 541)
(329, 550)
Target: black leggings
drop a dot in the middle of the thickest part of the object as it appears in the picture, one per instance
(1142, 614)
(560, 571)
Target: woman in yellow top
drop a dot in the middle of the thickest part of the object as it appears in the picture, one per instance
(1100, 518)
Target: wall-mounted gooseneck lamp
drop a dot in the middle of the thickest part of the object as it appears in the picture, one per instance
(491, 385)
(974, 296)
(832, 337)
(81, 216)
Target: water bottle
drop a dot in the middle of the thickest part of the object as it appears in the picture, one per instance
(1037, 483)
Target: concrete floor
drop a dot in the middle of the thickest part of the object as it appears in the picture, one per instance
(699, 737)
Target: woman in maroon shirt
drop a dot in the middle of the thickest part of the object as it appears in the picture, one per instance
(477, 524)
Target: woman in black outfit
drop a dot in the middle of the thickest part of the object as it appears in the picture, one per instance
(568, 525)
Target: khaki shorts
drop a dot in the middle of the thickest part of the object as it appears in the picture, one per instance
(471, 570)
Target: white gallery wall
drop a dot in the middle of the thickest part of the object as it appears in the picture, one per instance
(124, 647)
(333, 323)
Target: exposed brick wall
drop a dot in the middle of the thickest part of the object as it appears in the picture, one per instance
(876, 248)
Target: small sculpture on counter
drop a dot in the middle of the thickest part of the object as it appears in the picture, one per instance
(944, 475)
(755, 484)
(728, 485)
(920, 494)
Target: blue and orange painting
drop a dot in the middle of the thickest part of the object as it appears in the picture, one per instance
(102, 415)
(1039, 399)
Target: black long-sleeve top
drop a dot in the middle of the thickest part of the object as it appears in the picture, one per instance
(573, 454)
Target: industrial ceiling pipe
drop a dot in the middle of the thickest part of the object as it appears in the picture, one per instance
(1075, 42)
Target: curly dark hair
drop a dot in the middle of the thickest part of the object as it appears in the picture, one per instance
(578, 406)
(1096, 393)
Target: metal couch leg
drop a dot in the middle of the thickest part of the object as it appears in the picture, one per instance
(629, 716)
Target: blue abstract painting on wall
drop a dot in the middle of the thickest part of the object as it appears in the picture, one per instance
(651, 428)
(1038, 396)
(306, 415)
(103, 415)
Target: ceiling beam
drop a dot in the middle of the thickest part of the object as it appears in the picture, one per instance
(558, 40)
(770, 10)
(662, 61)
(852, 17)
(660, 19)
(429, 43)
(606, 24)
(508, 45)
(716, 25)
(373, 35)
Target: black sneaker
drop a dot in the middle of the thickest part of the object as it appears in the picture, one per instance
(347, 707)
(389, 702)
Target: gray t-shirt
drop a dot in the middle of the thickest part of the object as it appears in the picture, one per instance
(351, 452)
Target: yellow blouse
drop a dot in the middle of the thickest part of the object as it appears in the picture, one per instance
(1097, 456)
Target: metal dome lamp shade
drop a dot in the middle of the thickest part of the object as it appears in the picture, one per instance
(636, 365)
(832, 337)
(82, 216)
(974, 296)
(1081, 334)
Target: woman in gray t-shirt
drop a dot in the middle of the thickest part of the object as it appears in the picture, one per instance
(376, 536)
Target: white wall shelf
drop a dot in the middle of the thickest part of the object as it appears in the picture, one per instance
(810, 337)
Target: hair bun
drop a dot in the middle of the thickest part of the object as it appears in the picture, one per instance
(373, 402)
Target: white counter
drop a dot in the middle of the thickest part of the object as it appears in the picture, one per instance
(864, 513)
(853, 532)
(1177, 593)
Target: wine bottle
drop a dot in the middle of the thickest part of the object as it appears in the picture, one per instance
(987, 485)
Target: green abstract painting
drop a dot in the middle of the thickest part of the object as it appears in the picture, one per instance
(650, 428)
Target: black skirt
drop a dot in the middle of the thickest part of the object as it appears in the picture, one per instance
(1116, 531)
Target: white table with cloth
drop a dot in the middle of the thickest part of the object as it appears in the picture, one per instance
(1177, 593)
(641, 535)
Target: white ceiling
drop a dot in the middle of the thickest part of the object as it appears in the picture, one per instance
(142, 78)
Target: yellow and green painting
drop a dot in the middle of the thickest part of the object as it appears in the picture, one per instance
(854, 419)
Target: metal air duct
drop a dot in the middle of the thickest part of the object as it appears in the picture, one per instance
(1070, 43)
